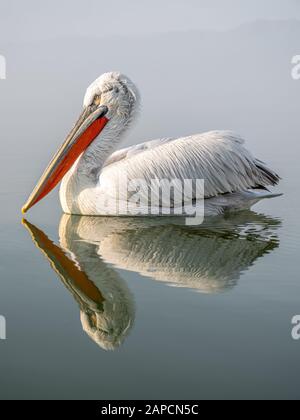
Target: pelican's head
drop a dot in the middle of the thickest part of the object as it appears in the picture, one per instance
(111, 100)
(115, 91)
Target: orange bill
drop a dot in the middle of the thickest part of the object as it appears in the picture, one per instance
(89, 125)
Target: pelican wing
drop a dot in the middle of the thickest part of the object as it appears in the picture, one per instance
(218, 157)
(136, 149)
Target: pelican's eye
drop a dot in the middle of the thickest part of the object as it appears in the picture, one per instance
(97, 100)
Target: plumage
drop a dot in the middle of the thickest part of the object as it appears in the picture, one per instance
(218, 157)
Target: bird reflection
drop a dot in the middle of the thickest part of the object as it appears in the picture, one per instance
(105, 302)
(209, 258)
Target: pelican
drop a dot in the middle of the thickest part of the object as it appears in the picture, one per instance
(90, 166)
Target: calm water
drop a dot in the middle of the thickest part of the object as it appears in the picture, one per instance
(148, 308)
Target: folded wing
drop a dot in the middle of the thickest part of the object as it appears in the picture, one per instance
(218, 157)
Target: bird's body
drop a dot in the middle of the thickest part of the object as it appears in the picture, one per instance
(218, 157)
(233, 178)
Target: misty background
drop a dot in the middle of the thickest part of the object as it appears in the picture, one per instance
(34, 20)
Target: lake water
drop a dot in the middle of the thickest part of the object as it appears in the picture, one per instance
(117, 308)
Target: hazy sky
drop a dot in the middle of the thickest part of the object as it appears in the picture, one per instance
(34, 20)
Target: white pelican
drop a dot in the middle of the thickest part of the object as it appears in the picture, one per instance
(90, 167)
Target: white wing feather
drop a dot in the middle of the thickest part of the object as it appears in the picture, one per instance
(130, 151)
(218, 157)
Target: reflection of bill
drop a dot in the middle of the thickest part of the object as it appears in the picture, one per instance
(106, 305)
(2, 328)
(209, 258)
(2, 67)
